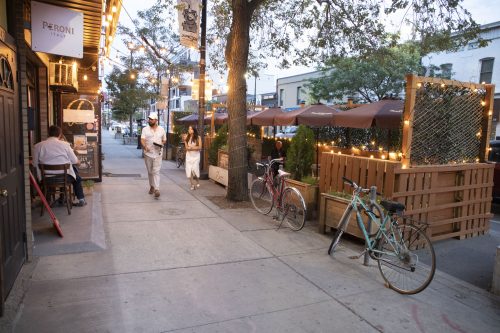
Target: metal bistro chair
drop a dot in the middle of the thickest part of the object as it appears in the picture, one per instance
(53, 183)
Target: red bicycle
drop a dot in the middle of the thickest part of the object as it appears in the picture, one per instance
(265, 195)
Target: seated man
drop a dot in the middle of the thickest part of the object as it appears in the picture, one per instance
(55, 151)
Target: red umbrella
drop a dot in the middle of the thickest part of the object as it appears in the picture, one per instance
(312, 115)
(382, 114)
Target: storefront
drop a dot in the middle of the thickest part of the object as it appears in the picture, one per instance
(50, 74)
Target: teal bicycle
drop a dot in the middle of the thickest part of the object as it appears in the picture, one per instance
(404, 254)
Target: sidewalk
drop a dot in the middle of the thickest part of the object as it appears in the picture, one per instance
(183, 264)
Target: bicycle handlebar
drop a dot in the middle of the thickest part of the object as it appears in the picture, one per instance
(271, 162)
(356, 186)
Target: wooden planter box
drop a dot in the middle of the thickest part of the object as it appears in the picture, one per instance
(310, 194)
(331, 210)
(221, 175)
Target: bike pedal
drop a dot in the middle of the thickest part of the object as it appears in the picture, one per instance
(358, 256)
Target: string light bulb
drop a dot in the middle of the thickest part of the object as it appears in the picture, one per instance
(85, 77)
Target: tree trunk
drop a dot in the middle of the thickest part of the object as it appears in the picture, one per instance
(237, 59)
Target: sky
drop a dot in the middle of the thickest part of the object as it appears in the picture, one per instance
(482, 11)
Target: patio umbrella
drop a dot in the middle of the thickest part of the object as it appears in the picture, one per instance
(312, 115)
(192, 119)
(264, 118)
(382, 114)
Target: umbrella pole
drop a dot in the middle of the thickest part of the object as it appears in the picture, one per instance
(317, 152)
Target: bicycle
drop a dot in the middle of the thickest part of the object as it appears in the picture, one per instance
(180, 156)
(400, 250)
(288, 201)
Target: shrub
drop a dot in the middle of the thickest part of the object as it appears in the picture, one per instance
(217, 143)
(300, 155)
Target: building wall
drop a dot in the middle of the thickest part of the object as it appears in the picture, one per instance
(466, 63)
(288, 87)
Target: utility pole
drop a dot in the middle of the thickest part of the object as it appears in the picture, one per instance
(201, 101)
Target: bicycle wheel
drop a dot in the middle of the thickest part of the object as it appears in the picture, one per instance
(408, 262)
(294, 208)
(261, 198)
(340, 229)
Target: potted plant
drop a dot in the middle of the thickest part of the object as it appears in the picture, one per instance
(299, 158)
(88, 187)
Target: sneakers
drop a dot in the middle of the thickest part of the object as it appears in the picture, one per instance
(198, 185)
(157, 193)
(80, 203)
(192, 187)
(151, 190)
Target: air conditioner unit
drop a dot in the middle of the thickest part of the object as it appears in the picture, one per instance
(63, 75)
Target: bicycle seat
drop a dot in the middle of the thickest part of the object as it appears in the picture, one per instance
(282, 173)
(392, 206)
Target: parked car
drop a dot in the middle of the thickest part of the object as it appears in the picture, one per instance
(494, 156)
(289, 132)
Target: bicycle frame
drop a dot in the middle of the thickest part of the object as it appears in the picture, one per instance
(276, 191)
(383, 223)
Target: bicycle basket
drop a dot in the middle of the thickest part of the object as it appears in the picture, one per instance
(259, 170)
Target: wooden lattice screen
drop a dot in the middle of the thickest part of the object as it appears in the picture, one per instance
(446, 121)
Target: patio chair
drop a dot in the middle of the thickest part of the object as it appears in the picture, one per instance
(56, 183)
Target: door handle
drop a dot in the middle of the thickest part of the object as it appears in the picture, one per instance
(4, 193)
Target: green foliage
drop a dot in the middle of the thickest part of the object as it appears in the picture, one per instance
(179, 129)
(217, 143)
(310, 180)
(342, 195)
(374, 76)
(300, 155)
(88, 183)
(128, 95)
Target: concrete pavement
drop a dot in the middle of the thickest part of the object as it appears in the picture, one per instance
(182, 264)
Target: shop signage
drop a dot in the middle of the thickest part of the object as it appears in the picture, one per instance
(56, 30)
(189, 22)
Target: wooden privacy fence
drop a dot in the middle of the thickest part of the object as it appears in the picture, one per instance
(454, 199)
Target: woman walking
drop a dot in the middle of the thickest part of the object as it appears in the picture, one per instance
(192, 143)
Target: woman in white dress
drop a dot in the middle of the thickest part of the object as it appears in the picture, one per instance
(192, 143)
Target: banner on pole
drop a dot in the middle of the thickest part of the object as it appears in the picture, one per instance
(189, 22)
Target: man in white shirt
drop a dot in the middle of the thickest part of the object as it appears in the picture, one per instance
(54, 151)
(153, 138)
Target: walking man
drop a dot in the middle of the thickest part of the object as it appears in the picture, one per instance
(153, 137)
